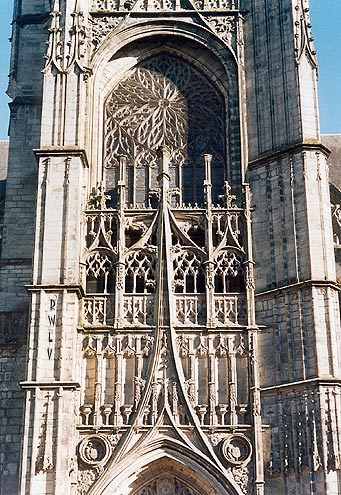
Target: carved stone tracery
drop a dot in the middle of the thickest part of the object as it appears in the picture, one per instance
(140, 273)
(188, 272)
(165, 102)
(155, 5)
(100, 273)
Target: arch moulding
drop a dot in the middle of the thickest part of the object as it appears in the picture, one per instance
(120, 53)
(137, 469)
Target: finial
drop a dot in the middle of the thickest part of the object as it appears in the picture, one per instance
(208, 165)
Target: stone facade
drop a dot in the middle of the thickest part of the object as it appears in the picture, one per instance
(333, 142)
(169, 313)
(3, 176)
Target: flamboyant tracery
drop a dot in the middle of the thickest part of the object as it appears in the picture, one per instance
(165, 101)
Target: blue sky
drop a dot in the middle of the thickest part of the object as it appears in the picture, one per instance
(5, 32)
(326, 21)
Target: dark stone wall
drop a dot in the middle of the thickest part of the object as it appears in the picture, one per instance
(333, 142)
(13, 351)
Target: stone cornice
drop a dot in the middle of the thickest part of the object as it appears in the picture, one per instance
(288, 150)
(298, 285)
(302, 384)
(168, 13)
(56, 287)
(73, 151)
(50, 384)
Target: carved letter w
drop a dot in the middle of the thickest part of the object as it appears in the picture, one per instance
(52, 320)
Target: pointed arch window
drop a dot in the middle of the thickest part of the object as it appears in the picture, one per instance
(140, 273)
(165, 101)
(189, 277)
(228, 273)
(100, 273)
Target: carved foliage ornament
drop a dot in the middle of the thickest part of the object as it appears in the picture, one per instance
(304, 41)
(223, 26)
(243, 478)
(102, 26)
(85, 479)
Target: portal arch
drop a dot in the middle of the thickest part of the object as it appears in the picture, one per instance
(166, 477)
(165, 460)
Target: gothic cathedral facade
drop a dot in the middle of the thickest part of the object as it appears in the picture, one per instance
(169, 306)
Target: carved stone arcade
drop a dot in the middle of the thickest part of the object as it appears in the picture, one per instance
(157, 277)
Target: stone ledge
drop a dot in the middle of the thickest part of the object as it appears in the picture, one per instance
(50, 384)
(57, 287)
(297, 285)
(302, 384)
(288, 150)
(66, 151)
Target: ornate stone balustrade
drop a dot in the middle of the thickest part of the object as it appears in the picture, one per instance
(190, 309)
(98, 310)
(138, 309)
(226, 309)
(112, 5)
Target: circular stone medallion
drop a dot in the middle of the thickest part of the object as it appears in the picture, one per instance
(94, 450)
(236, 449)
